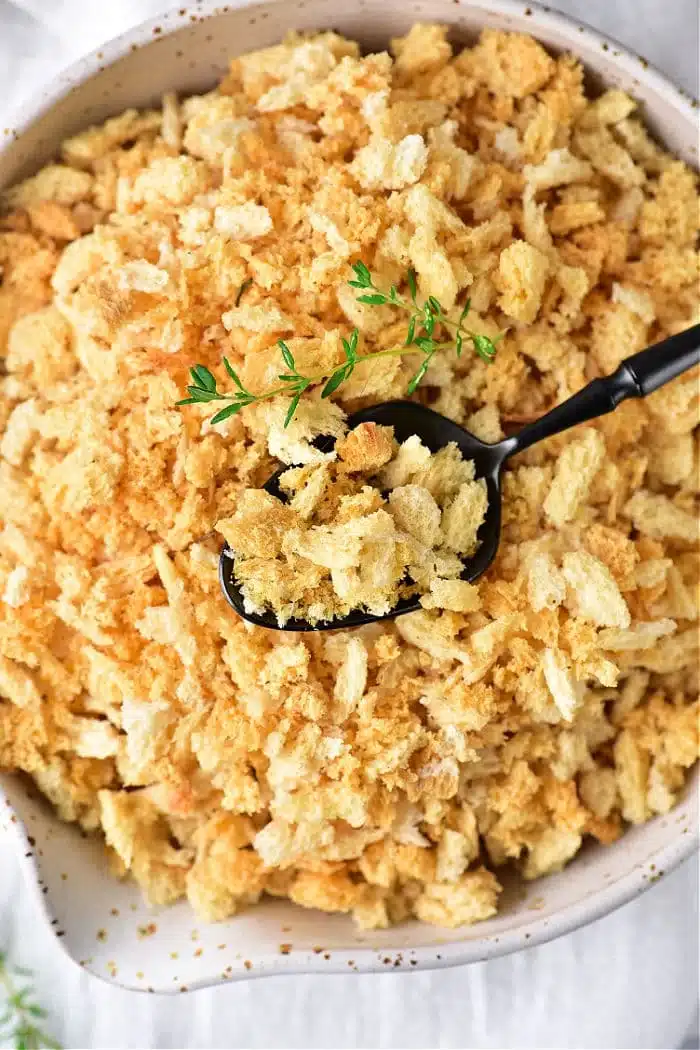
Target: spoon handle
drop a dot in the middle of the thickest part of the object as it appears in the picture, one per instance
(659, 364)
(636, 376)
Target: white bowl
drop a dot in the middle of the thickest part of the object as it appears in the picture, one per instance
(103, 923)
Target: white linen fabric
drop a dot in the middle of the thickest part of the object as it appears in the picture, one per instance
(628, 981)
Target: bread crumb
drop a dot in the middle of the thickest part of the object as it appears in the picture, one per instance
(522, 274)
(592, 591)
(576, 468)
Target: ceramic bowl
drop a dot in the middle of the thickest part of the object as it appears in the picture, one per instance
(102, 923)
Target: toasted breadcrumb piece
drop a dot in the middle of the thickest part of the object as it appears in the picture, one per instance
(566, 692)
(609, 158)
(522, 273)
(258, 526)
(140, 836)
(242, 222)
(559, 168)
(55, 183)
(39, 348)
(87, 147)
(567, 217)
(576, 468)
(225, 876)
(508, 63)
(455, 595)
(382, 165)
(17, 590)
(655, 515)
(425, 47)
(471, 898)
(672, 213)
(612, 107)
(351, 679)
(411, 457)
(546, 586)
(592, 591)
(54, 219)
(366, 448)
(640, 636)
(636, 300)
(618, 331)
(463, 516)
(553, 848)
(415, 511)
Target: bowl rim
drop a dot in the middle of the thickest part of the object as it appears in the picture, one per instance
(27, 111)
(592, 905)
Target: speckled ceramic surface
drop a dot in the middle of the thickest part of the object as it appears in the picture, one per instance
(103, 923)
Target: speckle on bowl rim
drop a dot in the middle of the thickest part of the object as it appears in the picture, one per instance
(537, 925)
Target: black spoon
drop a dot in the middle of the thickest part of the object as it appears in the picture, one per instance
(637, 376)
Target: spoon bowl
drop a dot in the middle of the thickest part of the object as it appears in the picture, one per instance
(435, 431)
(637, 376)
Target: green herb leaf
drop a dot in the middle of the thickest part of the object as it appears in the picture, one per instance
(458, 344)
(415, 380)
(428, 346)
(334, 382)
(286, 354)
(200, 395)
(20, 1017)
(203, 377)
(435, 305)
(484, 347)
(230, 410)
(412, 285)
(375, 299)
(411, 333)
(363, 278)
(429, 324)
(465, 310)
(294, 404)
(186, 401)
(287, 378)
(243, 289)
(234, 375)
(350, 345)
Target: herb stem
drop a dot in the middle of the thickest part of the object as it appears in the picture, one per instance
(423, 321)
(416, 313)
(317, 377)
(19, 1020)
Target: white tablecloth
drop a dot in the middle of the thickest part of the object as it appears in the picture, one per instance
(628, 981)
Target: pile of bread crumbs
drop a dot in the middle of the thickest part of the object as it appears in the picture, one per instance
(373, 523)
(393, 770)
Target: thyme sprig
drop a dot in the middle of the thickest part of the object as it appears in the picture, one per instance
(20, 1015)
(423, 321)
(427, 323)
